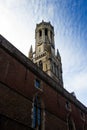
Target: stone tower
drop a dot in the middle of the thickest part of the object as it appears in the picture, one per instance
(44, 55)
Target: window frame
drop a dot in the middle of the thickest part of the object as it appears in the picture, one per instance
(68, 106)
(46, 32)
(37, 83)
(40, 87)
(41, 64)
(40, 33)
(37, 113)
(82, 114)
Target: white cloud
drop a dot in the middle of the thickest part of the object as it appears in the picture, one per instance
(18, 19)
(13, 25)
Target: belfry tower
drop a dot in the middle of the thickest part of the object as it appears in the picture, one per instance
(44, 55)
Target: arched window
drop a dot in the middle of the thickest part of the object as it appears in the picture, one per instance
(71, 124)
(68, 106)
(40, 33)
(46, 31)
(40, 64)
(36, 123)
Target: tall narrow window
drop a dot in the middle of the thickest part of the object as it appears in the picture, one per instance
(40, 64)
(71, 124)
(68, 106)
(37, 114)
(37, 83)
(40, 33)
(82, 116)
(46, 32)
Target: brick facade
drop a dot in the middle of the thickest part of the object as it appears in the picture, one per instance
(17, 93)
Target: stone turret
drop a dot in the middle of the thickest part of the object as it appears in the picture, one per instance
(31, 53)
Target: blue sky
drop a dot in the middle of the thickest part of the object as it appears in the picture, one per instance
(18, 20)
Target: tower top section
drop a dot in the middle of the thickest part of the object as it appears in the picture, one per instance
(43, 25)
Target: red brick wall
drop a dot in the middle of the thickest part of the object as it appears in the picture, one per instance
(9, 124)
(19, 78)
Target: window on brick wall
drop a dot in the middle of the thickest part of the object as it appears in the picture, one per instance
(71, 124)
(37, 83)
(68, 106)
(82, 116)
(36, 122)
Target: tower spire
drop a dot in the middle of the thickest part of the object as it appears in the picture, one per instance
(58, 54)
(31, 53)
